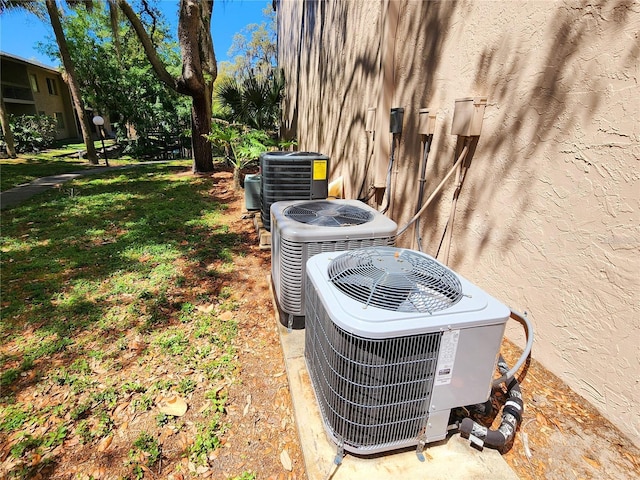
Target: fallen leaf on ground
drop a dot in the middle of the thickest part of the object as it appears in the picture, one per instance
(205, 308)
(105, 443)
(591, 462)
(97, 368)
(246, 407)
(175, 406)
(285, 459)
(137, 344)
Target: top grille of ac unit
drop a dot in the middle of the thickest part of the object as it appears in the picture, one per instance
(303, 229)
(406, 283)
(394, 340)
(289, 176)
(328, 214)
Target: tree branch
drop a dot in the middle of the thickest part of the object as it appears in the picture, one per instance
(164, 76)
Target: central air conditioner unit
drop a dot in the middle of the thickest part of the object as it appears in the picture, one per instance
(394, 340)
(303, 229)
(291, 176)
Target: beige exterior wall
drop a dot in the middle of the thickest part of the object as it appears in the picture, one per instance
(60, 102)
(548, 219)
(16, 74)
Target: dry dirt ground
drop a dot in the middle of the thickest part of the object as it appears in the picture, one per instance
(561, 436)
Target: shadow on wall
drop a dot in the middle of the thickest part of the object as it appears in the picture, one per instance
(322, 109)
(417, 59)
(552, 104)
(348, 75)
(530, 117)
(337, 79)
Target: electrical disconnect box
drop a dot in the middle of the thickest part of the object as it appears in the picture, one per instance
(395, 125)
(370, 122)
(467, 116)
(426, 121)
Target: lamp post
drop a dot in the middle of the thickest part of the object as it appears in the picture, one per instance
(98, 121)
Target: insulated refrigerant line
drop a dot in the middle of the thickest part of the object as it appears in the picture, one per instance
(462, 156)
(460, 174)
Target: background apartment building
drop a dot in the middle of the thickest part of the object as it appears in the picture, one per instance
(30, 88)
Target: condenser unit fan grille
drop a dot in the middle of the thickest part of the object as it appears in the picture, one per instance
(328, 214)
(374, 394)
(398, 281)
(292, 262)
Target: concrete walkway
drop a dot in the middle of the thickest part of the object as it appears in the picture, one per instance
(17, 195)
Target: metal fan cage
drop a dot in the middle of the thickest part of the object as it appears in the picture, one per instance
(400, 281)
(291, 264)
(373, 394)
(328, 214)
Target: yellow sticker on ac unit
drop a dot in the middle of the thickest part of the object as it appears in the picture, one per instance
(319, 169)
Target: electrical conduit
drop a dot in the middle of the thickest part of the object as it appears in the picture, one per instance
(452, 214)
(423, 180)
(462, 156)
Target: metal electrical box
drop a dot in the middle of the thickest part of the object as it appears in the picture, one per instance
(426, 121)
(467, 116)
(252, 192)
(395, 124)
(370, 122)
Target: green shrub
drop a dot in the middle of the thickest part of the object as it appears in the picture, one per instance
(33, 132)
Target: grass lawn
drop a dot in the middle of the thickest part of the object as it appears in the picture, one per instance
(113, 304)
(28, 167)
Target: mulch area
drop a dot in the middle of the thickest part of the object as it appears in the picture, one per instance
(561, 435)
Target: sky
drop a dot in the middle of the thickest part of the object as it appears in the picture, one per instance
(19, 32)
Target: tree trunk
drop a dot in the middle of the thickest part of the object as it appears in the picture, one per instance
(237, 185)
(201, 125)
(198, 73)
(199, 69)
(6, 129)
(54, 17)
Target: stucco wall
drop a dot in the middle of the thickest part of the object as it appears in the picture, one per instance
(548, 219)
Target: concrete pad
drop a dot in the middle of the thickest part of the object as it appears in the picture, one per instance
(450, 459)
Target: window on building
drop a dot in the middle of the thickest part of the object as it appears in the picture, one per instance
(59, 120)
(51, 86)
(34, 82)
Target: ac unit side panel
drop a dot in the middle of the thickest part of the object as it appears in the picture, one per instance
(292, 275)
(471, 372)
(373, 394)
(476, 308)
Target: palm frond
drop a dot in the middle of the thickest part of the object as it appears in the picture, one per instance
(34, 7)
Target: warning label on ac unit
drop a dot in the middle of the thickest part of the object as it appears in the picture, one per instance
(319, 169)
(447, 356)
